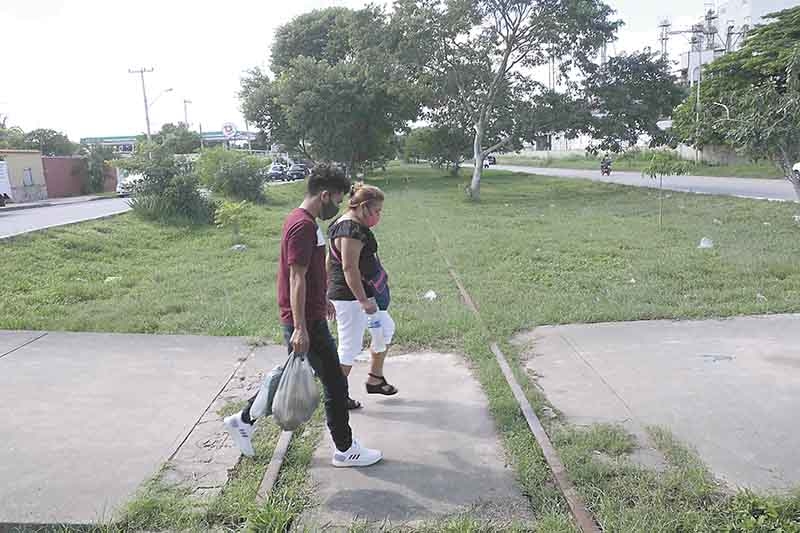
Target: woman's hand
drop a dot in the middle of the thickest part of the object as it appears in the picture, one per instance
(369, 307)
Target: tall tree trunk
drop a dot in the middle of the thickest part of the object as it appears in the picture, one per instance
(477, 170)
(795, 181)
(785, 162)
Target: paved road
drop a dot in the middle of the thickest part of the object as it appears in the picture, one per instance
(742, 187)
(26, 220)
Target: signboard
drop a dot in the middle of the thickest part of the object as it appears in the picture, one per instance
(229, 130)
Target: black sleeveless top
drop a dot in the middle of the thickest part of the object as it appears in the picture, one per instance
(367, 261)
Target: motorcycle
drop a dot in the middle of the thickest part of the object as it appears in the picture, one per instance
(605, 168)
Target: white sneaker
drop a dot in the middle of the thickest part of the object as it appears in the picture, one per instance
(241, 433)
(356, 455)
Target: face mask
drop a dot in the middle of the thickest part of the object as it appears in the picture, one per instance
(372, 219)
(329, 210)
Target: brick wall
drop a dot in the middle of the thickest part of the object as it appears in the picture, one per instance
(65, 176)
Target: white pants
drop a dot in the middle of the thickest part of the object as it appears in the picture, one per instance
(351, 322)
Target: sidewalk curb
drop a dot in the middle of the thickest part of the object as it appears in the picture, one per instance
(46, 203)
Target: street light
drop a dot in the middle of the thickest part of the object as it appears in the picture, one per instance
(727, 109)
(150, 104)
(162, 93)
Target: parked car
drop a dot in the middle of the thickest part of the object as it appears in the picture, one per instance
(796, 170)
(297, 172)
(126, 185)
(490, 160)
(276, 172)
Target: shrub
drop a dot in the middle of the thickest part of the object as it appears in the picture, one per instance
(234, 174)
(233, 215)
(180, 203)
(168, 191)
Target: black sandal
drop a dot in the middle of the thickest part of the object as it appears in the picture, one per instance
(381, 388)
(353, 404)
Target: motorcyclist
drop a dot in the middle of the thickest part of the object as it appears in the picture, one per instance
(605, 163)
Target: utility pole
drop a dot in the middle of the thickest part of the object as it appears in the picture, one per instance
(665, 26)
(142, 71)
(247, 135)
(186, 112)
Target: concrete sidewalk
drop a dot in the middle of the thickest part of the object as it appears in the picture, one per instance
(730, 389)
(55, 201)
(442, 454)
(87, 417)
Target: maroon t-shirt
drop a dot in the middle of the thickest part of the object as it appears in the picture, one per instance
(302, 243)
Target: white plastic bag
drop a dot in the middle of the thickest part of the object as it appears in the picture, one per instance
(297, 396)
(262, 405)
(706, 243)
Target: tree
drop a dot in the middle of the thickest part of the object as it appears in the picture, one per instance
(347, 113)
(765, 56)
(629, 94)
(663, 164)
(767, 121)
(259, 101)
(97, 158)
(339, 94)
(322, 35)
(49, 142)
(441, 146)
(481, 54)
(178, 139)
(11, 137)
(751, 97)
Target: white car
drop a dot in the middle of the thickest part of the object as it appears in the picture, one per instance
(127, 184)
(796, 170)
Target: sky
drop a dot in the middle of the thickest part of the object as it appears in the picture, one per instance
(65, 62)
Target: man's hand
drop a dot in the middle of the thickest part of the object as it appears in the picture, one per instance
(369, 307)
(331, 311)
(299, 341)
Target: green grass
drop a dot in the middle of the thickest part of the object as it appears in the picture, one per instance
(533, 251)
(741, 170)
(128, 275)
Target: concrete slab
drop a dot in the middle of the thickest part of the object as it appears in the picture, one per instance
(204, 461)
(14, 340)
(86, 418)
(441, 452)
(728, 388)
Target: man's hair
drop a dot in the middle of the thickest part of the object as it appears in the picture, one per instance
(327, 177)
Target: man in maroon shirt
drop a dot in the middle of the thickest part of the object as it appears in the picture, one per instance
(302, 284)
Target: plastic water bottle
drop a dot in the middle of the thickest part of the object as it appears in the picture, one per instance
(378, 343)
